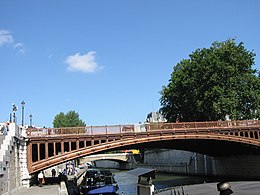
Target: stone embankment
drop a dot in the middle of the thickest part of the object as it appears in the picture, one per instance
(243, 188)
(10, 171)
(182, 162)
(13, 160)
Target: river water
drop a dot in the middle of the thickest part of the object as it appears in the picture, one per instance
(163, 180)
(128, 183)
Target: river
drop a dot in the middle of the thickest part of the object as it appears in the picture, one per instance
(128, 183)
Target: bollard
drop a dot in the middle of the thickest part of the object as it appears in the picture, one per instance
(224, 188)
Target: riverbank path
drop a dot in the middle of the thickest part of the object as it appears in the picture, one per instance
(44, 190)
(239, 188)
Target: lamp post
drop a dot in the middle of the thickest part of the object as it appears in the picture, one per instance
(30, 120)
(23, 103)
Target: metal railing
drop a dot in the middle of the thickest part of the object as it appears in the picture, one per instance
(89, 130)
(207, 124)
(118, 129)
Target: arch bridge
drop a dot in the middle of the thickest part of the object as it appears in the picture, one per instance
(51, 146)
(124, 157)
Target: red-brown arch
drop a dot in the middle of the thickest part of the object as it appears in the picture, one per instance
(239, 137)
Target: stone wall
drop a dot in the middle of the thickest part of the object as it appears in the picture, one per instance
(10, 180)
(243, 166)
(175, 161)
(166, 156)
(178, 161)
(14, 172)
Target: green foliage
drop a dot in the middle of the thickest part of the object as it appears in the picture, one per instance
(70, 119)
(213, 83)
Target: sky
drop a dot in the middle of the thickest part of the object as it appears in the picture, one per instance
(107, 59)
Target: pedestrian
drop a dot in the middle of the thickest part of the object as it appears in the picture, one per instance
(53, 173)
(40, 179)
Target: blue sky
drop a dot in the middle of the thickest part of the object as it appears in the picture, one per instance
(107, 60)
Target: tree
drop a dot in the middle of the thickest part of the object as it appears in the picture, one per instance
(70, 119)
(213, 83)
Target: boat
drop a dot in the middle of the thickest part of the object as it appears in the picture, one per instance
(106, 190)
(99, 182)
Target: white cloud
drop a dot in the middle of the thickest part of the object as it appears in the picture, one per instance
(84, 63)
(5, 37)
(20, 47)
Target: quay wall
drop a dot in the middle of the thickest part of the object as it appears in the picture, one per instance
(178, 161)
(190, 163)
(242, 166)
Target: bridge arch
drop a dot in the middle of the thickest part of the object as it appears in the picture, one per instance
(117, 157)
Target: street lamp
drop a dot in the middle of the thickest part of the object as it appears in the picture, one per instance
(30, 120)
(23, 103)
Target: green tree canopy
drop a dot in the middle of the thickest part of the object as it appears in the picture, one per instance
(212, 83)
(70, 119)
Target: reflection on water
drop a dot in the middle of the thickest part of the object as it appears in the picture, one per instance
(126, 183)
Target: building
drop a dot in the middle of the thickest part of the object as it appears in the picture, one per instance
(155, 117)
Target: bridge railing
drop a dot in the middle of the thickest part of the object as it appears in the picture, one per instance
(89, 130)
(196, 125)
(115, 129)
